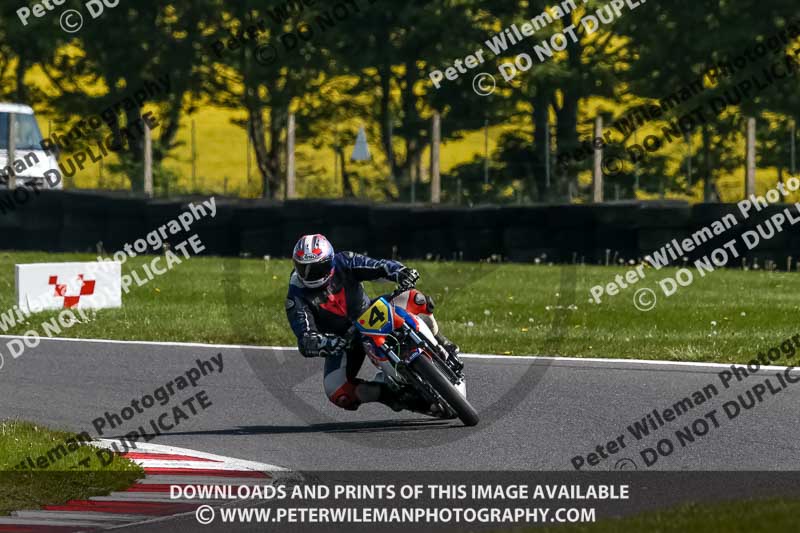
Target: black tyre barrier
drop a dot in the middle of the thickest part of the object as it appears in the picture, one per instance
(79, 221)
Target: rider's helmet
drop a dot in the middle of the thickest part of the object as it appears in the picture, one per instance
(313, 260)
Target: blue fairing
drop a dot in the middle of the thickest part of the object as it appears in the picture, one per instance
(407, 317)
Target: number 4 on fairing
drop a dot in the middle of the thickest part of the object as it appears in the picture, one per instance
(377, 319)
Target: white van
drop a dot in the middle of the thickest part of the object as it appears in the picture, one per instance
(31, 166)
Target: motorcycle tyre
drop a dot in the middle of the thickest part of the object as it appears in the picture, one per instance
(427, 370)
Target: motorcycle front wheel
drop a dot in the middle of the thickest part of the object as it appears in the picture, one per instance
(425, 368)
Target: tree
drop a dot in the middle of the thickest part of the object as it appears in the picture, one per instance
(391, 48)
(160, 41)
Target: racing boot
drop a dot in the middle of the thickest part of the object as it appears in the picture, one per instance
(406, 400)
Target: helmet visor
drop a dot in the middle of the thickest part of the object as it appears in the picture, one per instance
(311, 272)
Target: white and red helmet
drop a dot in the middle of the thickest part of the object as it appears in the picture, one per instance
(313, 260)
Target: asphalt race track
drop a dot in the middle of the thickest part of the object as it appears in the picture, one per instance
(537, 414)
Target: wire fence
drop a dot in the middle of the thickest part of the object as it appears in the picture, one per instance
(482, 162)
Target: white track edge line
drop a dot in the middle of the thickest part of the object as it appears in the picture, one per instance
(579, 360)
(157, 343)
(620, 361)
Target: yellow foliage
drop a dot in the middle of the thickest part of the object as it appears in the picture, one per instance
(222, 147)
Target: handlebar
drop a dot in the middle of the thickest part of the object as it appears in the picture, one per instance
(401, 289)
(397, 292)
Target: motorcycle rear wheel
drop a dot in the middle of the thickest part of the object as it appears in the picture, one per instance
(425, 368)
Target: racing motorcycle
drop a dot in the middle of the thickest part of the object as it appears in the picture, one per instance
(411, 360)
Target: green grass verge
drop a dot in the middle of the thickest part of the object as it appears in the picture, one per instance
(769, 516)
(516, 309)
(67, 471)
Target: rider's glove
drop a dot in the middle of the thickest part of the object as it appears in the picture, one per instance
(319, 345)
(406, 278)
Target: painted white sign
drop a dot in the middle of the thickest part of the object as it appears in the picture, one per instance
(53, 286)
(361, 149)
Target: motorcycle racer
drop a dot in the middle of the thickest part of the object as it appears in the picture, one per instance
(326, 296)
